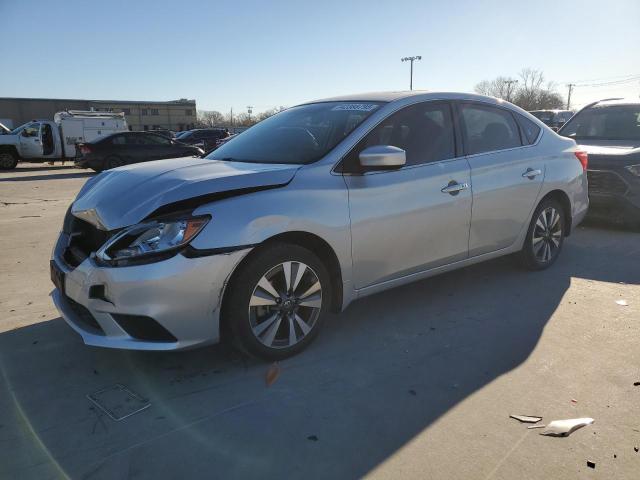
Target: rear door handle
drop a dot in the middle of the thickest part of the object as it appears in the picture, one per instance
(454, 188)
(531, 173)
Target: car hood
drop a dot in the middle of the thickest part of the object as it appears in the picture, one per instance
(127, 195)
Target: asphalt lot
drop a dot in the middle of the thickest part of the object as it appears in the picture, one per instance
(417, 382)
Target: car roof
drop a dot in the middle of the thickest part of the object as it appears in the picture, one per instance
(388, 97)
(615, 102)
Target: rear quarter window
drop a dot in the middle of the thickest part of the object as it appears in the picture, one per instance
(530, 130)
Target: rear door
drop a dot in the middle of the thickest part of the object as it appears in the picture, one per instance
(506, 174)
(411, 219)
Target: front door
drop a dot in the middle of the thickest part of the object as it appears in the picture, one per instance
(417, 217)
(506, 176)
(30, 141)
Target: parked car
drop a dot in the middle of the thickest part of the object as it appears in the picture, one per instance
(164, 132)
(130, 147)
(40, 140)
(204, 138)
(609, 131)
(306, 211)
(554, 119)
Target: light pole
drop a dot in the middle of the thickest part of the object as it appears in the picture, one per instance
(570, 85)
(411, 59)
(249, 111)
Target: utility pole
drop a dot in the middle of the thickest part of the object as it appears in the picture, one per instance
(570, 85)
(509, 83)
(231, 117)
(411, 59)
(249, 111)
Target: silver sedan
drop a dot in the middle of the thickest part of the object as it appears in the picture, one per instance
(305, 212)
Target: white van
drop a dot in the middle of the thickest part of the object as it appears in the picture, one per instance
(41, 140)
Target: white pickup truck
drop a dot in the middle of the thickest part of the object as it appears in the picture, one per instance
(45, 140)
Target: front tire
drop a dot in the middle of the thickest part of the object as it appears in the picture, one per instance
(8, 161)
(276, 301)
(113, 162)
(545, 236)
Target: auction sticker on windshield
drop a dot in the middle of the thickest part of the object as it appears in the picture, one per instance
(357, 107)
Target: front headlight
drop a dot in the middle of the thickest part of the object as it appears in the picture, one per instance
(635, 169)
(151, 240)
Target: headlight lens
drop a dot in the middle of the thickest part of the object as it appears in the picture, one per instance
(148, 239)
(635, 169)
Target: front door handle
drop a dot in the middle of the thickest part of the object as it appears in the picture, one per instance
(454, 188)
(531, 173)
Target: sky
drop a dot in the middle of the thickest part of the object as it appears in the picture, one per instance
(270, 53)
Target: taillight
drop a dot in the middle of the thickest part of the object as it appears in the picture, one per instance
(583, 158)
(85, 150)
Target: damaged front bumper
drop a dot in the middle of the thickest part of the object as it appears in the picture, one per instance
(173, 304)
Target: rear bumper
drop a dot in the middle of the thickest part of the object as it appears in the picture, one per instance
(181, 295)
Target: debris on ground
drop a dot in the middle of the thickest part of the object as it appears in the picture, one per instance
(591, 464)
(573, 400)
(564, 428)
(313, 438)
(412, 392)
(622, 303)
(636, 384)
(526, 418)
(272, 374)
(535, 426)
(635, 449)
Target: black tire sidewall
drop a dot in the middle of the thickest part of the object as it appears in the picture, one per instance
(527, 254)
(107, 164)
(240, 289)
(13, 163)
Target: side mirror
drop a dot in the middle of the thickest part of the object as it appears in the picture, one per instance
(383, 156)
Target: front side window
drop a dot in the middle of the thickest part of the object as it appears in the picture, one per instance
(487, 129)
(619, 122)
(119, 140)
(424, 131)
(297, 135)
(31, 130)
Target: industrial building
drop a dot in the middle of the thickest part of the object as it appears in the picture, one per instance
(174, 115)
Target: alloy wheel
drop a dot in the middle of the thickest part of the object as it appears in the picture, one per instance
(285, 305)
(547, 235)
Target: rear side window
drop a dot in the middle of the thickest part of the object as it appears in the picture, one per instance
(487, 129)
(119, 140)
(530, 130)
(424, 131)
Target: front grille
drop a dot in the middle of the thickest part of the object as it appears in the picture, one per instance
(605, 182)
(84, 317)
(84, 239)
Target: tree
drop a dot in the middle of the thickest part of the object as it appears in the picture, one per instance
(267, 113)
(529, 93)
(211, 118)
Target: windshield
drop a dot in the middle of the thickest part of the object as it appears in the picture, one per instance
(298, 135)
(605, 123)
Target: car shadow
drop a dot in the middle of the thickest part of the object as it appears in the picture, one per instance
(380, 373)
(43, 168)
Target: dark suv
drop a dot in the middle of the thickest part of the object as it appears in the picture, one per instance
(609, 130)
(205, 138)
(553, 118)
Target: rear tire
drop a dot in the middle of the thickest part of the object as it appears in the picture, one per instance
(545, 236)
(268, 308)
(113, 161)
(8, 161)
